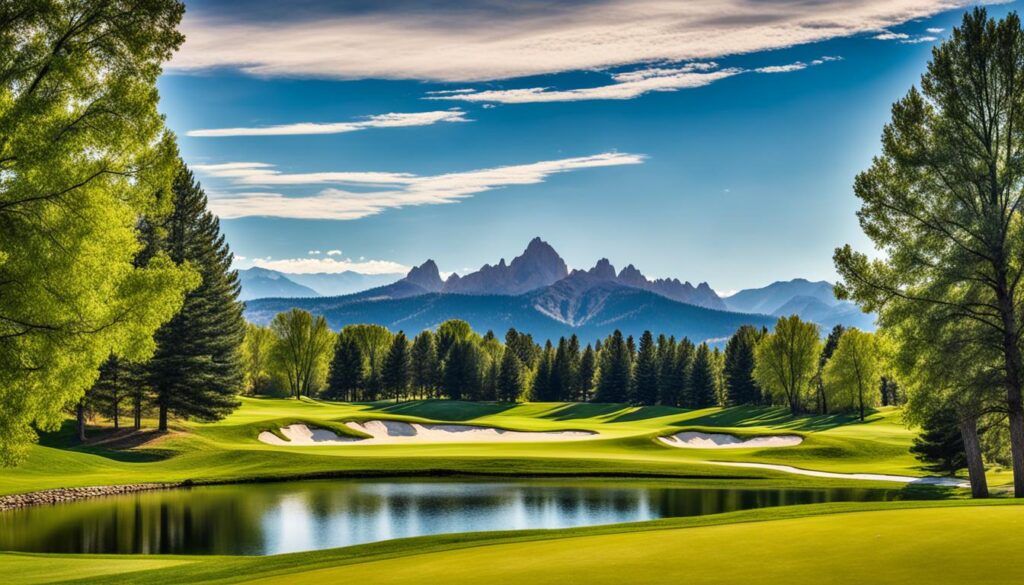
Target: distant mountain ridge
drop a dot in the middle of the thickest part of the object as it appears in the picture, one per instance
(536, 293)
(259, 283)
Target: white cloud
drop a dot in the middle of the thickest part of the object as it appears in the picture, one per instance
(920, 39)
(410, 190)
(338, 253)
(628, 84)
(392, 120)
(505, 39)
(314, 252)
(891, 36)
(934, 31)
(316, 265)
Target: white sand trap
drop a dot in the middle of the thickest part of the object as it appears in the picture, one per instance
(940, 481)
(392, 432)
(697, 440)
(303, 435)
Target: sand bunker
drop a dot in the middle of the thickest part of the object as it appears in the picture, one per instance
(392, 432)
(941, 481)
(697, 440)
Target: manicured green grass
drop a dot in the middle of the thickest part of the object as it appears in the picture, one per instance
(953, 541)
(626, 444)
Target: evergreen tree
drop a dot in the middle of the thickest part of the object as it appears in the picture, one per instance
(645, 373)
(676, 390)
(426, 369)
(396, 373)
(940, 443)
(196, 371)
(345, 376)
(666, 363)
(461, 378)
(585, 374)
(510, 378)
(111, 390)
(741, 388)
(542, 389)
(562, 372)
(489, 385)
(613, 379)
(701, 386)
(524, 347)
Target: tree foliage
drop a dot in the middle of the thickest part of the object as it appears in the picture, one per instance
(83, 156)
(786, 361)
(302, 351)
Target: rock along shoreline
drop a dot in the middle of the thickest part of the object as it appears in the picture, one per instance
(59, 495)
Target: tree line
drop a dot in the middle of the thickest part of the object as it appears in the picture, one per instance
(298, 355)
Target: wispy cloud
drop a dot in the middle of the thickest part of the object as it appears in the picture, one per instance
(502, 39)
(392, 120)
(401, 190)
(909, 39)
(934, 31)
(330, 265)
(627, 84)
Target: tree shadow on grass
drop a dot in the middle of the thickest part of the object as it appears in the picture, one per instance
(441, 409)
(125, 445)
(578, 410)
(647, 412)
(775, 417)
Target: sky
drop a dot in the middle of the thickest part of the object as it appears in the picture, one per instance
(707, 140)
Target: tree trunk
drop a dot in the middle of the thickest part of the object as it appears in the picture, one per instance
(138, 413)
(972, 451)
(163, 417)
(80, 412)
(1012, 356)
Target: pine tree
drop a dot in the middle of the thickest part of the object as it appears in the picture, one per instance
(111, 390)
(940, 443)
(542, 380)
(741, 388)
(196, 371)
(510, 377)
(345, 376)
(426, 369)
(585, 374)
(701, 388)
(489, 385)
(616, 371)
(524, 347)
(461, 378)
(396, 372)
(676, 390)
(645, 374)
(562, 372)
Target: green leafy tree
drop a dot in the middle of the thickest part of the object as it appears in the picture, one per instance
(524, 347)
(645, 373)
(84, 155)
(345, 374)
(302, 350)
(943, 202)
(853, 373)
(510, 386)
(786, 360)
(616, 370)
(397, 372)
(196, 371)
(256, 357)
(701, 385)
(741, 388)
(831, 343)
(449, 332)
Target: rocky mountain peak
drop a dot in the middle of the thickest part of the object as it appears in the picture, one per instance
(603, 270)
(427, 276)
(630, 276)
(538, 266)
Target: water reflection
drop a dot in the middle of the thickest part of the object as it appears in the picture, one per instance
(296, 516)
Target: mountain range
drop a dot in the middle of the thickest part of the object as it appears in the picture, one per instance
(261, 283)
(538, 294)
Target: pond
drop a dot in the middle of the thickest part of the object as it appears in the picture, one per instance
(273, 518)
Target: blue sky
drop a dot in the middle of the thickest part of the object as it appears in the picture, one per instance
(709, 140)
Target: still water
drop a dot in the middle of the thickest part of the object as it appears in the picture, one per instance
(263, 519)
